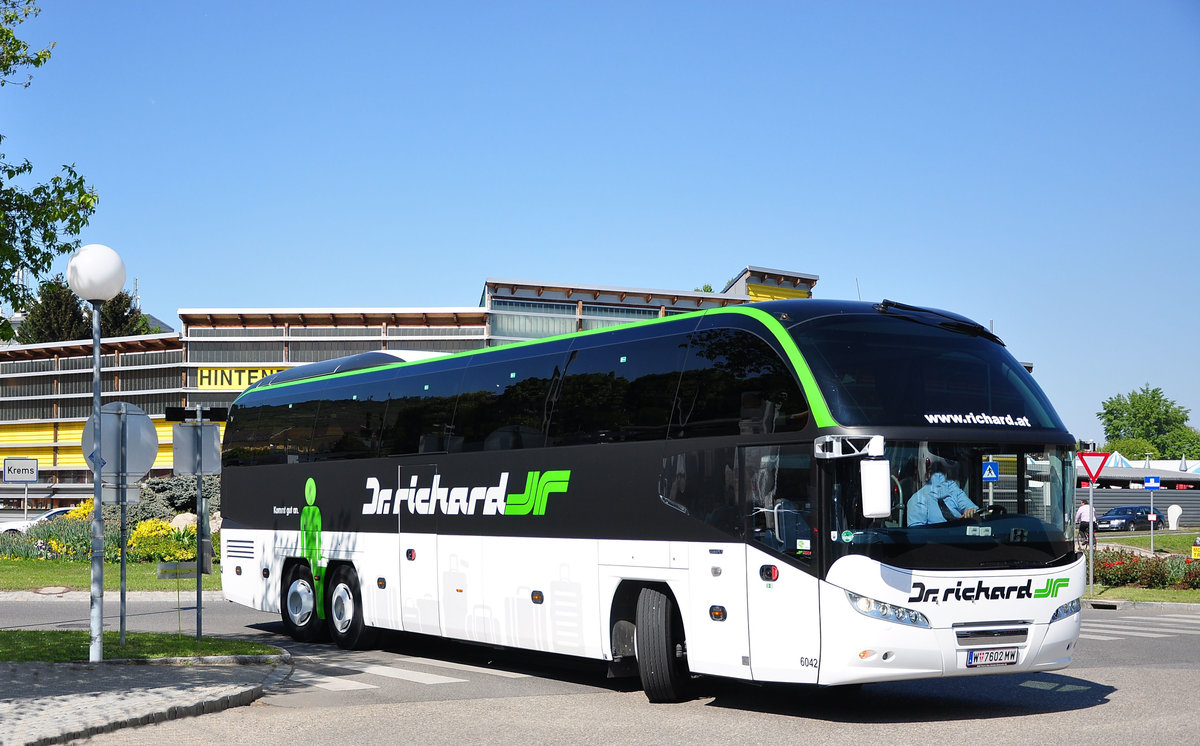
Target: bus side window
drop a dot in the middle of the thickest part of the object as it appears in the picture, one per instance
(703, 484)
(618, 392)
(775, 481)
(734, 383)
(504, 404)
(347, 424)
(419, 413)
(242, 444)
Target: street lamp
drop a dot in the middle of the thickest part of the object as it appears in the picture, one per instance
(96, 274)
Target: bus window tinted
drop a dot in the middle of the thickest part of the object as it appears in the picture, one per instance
(506, 404)
(618, 392)
(420, 413)
(735, 383)
(889, 370)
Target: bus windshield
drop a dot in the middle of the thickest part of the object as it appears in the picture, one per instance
(909, 369)
(958, 506)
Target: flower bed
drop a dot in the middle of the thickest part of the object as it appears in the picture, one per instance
(1116, 567)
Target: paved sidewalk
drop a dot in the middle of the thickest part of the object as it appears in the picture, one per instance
(46, 703)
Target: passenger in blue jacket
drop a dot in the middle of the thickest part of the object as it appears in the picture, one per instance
(940, 500)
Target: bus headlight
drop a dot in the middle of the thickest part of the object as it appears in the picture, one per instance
(1066, 610)
(887, 612)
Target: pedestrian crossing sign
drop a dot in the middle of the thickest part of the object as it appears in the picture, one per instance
(991, 471)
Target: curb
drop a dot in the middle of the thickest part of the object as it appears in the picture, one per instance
(1120, 604)
(174, 712)
(282, 668)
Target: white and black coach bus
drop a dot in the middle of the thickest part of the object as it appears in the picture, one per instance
(797, 491)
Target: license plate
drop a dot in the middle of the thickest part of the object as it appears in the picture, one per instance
(993, 657)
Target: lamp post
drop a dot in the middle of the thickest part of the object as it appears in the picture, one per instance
(96, 274)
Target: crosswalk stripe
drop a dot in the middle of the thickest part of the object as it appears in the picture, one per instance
(1104, 628)
(462, 667)
(1156, 627)
(1086, 636)
(330, 683)
(416, 676)
(1192, 618)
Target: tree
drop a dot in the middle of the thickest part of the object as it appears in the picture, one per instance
(119, 317)
(1132, 448)
(1150, 415)
(43, 221)
(56, 316)
(1183, 442)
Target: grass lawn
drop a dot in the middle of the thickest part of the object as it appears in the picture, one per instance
(1175, 542)
(64, 646)
(28, 575)
(1153, 595)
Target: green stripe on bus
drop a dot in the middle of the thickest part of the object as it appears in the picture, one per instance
(816, 402)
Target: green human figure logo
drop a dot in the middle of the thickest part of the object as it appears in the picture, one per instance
(310, 542)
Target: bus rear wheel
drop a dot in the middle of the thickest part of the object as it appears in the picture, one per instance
(661, 653)
(344, 612)
(299, 604)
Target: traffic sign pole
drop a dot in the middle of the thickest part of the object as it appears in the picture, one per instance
(1091, 538)
(1153, 484)
(1093, 464)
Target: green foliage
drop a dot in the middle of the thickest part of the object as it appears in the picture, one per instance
(1150, 415)
(1122, 568)
(120, 318)
(40, 222)
(57, 316)
(63, 646)
(156, 541)
(70, 538)
(1181, 441)
(14, 53)
(62, 538)
(179, 493)
(1132, 448)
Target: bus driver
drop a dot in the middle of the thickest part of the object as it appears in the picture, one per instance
(940, 500)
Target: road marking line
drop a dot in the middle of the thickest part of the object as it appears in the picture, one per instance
(1157, 626)
(331, 683)
(416, 676)
(1105, 628)
(1085, 636)
(462, 667)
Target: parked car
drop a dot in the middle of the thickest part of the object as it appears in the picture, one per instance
(1130, 518)
(13, 527)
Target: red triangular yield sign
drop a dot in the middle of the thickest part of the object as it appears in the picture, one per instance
(1093, 463)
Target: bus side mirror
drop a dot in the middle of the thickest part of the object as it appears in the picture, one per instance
(876, 477)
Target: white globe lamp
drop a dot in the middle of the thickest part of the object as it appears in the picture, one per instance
(96, 273)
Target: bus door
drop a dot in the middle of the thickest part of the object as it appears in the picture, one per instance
(418, 557)
(781, 558)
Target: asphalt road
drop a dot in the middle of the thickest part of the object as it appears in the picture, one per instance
(1134, 680)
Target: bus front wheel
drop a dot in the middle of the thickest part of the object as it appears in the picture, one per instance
(299, 604)
(344, 612)
(661, 655)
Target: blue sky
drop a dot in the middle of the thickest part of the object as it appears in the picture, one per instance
(1032, 165)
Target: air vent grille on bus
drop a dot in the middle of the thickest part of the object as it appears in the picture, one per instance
(991, 636)
(239, 548)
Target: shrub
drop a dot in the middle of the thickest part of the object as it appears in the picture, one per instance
(1115, 567)
(1153, 572)
(1189, 574)
(156, 541)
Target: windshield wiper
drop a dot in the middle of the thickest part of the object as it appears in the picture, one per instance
(953, 323)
